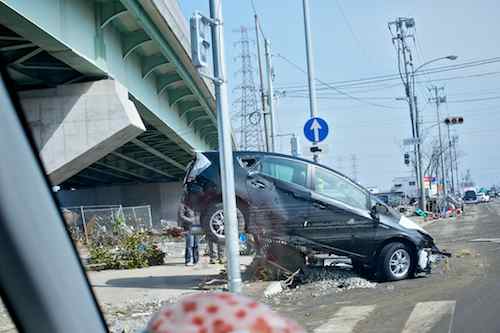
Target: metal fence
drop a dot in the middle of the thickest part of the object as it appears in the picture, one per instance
(93, 223)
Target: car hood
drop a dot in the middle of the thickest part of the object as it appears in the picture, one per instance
(409, 224)
(403, 223)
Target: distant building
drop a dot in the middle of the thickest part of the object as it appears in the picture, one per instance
(405, 185)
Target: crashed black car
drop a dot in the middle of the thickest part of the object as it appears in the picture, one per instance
(295, 209)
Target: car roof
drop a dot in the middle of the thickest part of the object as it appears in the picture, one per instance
(304, 160)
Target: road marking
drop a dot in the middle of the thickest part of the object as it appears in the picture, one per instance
(427, 314)
(481, 240)
(345, 319)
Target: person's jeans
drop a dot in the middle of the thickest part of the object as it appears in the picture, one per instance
(192, 254)
(215, 250)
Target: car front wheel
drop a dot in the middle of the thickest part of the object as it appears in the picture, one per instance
(395, 262)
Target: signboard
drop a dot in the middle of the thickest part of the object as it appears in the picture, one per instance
(316, 129)
(411, 142)
(306, 149)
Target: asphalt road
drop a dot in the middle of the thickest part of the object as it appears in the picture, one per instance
(461, 295)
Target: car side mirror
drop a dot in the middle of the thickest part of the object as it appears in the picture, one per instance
(378, 210)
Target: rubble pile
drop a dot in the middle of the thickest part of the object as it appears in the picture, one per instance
(321, 281)
(6, 324)
(132, 316)
(326, 280)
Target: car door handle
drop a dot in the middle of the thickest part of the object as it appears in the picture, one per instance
(258, 184)
(299, 195)
(319, 205)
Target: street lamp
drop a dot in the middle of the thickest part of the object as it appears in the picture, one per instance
(417, 126)
(450, 57)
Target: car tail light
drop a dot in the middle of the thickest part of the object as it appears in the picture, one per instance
(196, 167)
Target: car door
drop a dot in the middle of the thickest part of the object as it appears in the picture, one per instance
(339, 216)
(279, 195)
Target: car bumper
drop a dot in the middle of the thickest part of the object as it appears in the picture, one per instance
(428, 256)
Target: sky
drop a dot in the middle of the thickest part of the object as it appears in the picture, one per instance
(351, 41)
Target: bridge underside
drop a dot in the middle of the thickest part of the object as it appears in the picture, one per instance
(49, 44)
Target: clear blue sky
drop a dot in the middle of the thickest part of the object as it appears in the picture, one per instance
(351, 41)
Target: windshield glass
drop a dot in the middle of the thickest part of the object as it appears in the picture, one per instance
(471, 194)
(380, 201)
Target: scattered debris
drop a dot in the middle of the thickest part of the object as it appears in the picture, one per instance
(327, 278)
(141, 314)
(219, 284)
(463, 253)
(133, 315)
(273, 288)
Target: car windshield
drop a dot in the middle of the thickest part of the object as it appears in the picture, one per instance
(376, 200)
(471, 194)
(334, 161)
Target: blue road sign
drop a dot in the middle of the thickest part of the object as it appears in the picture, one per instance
(316, 129)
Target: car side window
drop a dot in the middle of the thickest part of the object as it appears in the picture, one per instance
(285, 170)
(332, 185)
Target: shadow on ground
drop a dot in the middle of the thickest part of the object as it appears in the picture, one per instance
(159, 282)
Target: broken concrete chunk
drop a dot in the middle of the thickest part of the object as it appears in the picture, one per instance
(273, 288)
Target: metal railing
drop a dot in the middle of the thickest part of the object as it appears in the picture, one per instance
(92, 224)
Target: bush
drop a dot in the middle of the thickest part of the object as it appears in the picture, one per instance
(135, 250)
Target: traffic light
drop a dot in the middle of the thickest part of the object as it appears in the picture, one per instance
(200, 42)
(454, 120)
(407, 158)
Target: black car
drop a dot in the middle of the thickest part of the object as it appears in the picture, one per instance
(295, 208)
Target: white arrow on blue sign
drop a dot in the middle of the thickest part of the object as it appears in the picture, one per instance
(316, 129)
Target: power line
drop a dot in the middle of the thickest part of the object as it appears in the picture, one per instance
(351, 30)
(382, 87)
(391, 77)
(474, 99)
(361, 100)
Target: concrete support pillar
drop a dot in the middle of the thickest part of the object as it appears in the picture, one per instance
(76, 125)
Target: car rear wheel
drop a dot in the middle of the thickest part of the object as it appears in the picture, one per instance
(395, 262)
(213, 222)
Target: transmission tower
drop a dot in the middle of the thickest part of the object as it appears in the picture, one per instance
(247, 120)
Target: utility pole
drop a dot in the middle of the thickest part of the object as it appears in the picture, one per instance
(437, 99)
(354, 161)
(270, 94)
(340, 163)
(310, 73)
(294, 143)
(402, 25)
(261, 79)
(419, 172)
(450, 151)
(225, 148)
(455, 140)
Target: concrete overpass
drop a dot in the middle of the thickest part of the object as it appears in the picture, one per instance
(108, 88)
